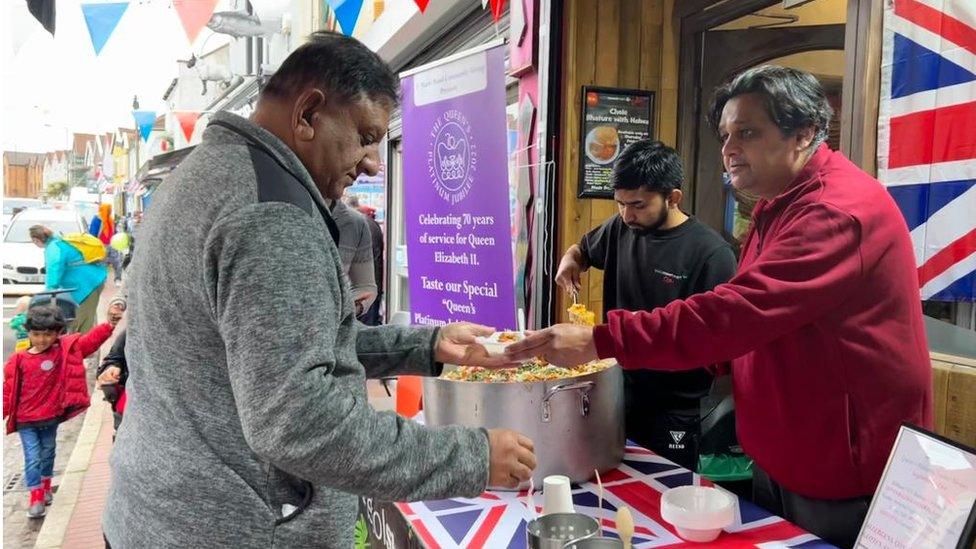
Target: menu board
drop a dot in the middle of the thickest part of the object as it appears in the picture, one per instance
(611, 120)
(927, 495)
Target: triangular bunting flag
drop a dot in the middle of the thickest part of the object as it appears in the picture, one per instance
(44, 12)
(102, 20)
(347, 13)
(497, 6)
(188, 123)
(422, 4)
(194, 14)
(484, 4)
(144, 121)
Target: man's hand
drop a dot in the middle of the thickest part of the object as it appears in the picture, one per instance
(114, 314)
(511, 458)
(562, 344)
(568, 274)
(456, 345)
(112, 374)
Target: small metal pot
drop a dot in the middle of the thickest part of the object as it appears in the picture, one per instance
(576, 424)
(556, 530)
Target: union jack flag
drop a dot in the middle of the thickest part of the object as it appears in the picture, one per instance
(927, 137)
(498, 519)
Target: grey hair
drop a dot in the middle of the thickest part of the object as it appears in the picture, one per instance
(794, 100)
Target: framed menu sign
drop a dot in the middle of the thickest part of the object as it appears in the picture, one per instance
(927, 495)
(611, 120)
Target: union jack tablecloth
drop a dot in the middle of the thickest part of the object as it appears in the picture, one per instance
(498, 519)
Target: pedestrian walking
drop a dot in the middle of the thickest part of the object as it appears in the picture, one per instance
(66, 268)
(44, 386)
(112, 376)
(103, 227)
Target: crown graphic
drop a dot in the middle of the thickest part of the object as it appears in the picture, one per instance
(451, 154)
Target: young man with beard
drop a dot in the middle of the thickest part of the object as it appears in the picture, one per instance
(652, 253)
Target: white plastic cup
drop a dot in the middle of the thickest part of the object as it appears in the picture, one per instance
(557, 496)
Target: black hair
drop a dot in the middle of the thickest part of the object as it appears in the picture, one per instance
(338, 65)
(649, 164)
(794, 99)
(45, 318)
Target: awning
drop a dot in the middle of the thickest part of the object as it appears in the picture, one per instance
(160, 165)
(239, 97)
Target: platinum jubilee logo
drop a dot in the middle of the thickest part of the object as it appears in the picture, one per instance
(452, 158)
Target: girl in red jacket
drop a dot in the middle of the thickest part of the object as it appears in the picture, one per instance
(43, 386)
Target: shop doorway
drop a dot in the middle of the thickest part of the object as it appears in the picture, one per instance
(727, 39)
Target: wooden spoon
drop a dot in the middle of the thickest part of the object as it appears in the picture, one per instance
(625, 526)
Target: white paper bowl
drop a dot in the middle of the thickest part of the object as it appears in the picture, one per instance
(495, 347)
(698, 513)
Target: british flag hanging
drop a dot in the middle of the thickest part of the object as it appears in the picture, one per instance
(927, 137)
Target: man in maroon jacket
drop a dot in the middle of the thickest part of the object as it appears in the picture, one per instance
(822, 322)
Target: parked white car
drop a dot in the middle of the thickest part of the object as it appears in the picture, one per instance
(10, 204)
(23, 262)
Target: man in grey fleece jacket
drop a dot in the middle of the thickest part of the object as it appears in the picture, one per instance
(247, 423)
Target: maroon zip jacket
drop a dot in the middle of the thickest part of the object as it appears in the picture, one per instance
(823, 324)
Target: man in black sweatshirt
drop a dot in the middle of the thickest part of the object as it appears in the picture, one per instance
(652, 253)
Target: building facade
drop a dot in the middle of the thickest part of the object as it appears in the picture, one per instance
(23, 174)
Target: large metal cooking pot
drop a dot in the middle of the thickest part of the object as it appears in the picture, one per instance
(576, 424)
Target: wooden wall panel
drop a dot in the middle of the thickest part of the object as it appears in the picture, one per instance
(954, 397)
(960, 406)
(940, 388)
(614, 43)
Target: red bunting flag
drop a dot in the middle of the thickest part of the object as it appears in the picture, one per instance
(194, 14)
(497, 6)
(188, 122)
(422, 4)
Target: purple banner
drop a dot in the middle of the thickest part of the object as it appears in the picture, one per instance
(455, 174)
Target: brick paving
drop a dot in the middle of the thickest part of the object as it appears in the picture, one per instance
(84, 528)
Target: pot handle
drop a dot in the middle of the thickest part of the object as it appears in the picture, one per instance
(583, 387)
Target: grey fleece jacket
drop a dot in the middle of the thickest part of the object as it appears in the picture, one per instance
(247, 423)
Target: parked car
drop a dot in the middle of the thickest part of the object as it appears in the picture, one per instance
(23, 262)
(10, 204)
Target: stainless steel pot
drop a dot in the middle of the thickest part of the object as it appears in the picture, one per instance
(576, 424)
(559, 530)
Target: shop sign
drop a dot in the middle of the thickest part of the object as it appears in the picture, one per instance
(611, 120)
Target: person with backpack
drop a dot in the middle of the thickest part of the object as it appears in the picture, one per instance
(73, 262)
(44, 386)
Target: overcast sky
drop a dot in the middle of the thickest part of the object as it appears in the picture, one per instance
(55, 86)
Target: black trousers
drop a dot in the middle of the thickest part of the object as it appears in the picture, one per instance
(835, 521)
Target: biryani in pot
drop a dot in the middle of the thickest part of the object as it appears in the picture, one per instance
(534, 370)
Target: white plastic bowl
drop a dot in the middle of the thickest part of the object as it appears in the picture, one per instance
(495, 347)
(698, 513)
